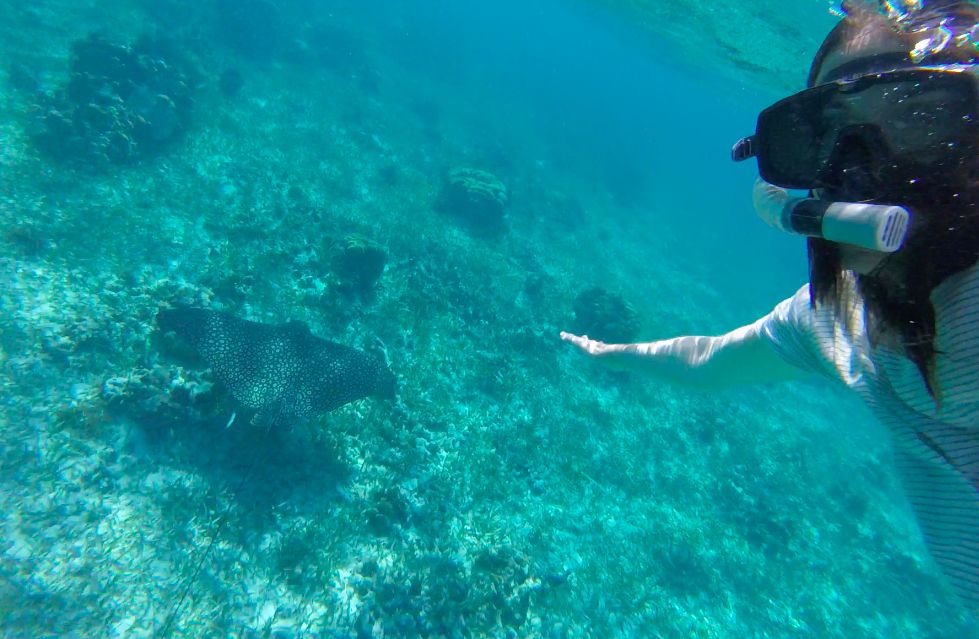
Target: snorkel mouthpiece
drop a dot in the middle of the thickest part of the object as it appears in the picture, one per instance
(878, 227)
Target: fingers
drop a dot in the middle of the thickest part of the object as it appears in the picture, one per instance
(574, 339)
(589, 346)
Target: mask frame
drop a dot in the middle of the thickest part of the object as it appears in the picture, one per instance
(928, 112)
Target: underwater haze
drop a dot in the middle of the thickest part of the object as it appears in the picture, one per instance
(389, 211)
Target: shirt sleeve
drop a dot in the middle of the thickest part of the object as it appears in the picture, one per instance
(799, 334)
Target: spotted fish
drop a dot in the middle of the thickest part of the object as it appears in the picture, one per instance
(283, 368)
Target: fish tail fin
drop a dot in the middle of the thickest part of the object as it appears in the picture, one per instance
(273, 417)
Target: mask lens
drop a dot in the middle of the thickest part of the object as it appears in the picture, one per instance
(789, 137)
(926, 116)
(856, 163)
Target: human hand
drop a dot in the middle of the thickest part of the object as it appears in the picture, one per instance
(613, 356)
(588, 346)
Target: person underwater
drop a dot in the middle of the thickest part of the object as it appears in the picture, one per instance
(886, 141)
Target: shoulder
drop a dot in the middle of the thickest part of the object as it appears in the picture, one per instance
(796, 309)
(806, 336)
(791, 320)
(956, 305)
(958, 294)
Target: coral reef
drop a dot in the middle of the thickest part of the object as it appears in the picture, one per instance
(605, 316)
(475, 196)
(359, 262)
(160, 399)
(121, 105)
(447, 598)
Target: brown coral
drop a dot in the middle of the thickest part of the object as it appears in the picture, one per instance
(475, 196)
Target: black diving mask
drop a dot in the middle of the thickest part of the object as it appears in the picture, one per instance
(927, 115)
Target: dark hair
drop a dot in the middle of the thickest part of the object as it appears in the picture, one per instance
(865, 26)
(945, 235)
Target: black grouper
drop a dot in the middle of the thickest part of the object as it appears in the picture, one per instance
(282, 368)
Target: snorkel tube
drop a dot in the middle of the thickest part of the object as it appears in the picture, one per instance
(878, 227)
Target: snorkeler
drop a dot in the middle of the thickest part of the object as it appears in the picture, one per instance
(886, 141)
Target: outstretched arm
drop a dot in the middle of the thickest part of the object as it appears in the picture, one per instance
(739, 358)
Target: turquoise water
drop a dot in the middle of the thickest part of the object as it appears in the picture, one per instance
(304, 165)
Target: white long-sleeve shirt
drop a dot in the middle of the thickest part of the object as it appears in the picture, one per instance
(936, 445)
